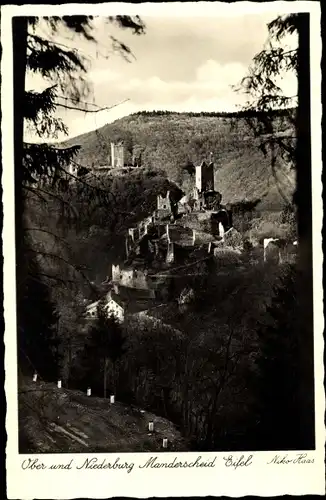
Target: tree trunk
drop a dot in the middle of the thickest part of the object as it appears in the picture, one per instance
(19, 35)
(69, 360)
(19, 32)
(115, 376)
(105, 377)
(304, 204)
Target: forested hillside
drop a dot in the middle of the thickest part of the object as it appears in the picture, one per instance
(171, 141)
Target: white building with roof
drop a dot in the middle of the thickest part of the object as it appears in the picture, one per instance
(113, 306)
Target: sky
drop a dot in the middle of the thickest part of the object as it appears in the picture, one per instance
(180, 64)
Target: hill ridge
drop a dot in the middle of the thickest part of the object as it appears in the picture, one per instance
(169, 141)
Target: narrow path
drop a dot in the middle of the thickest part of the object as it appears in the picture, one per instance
(59, 428)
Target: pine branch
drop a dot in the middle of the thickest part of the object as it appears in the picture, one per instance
(78, 24)
(35, 102)
(134, 23)
(46, 58)
(75, 108)
(83, 182)
(78, 101)
(65, 67)
(53, 195)
(83, 52)
(54, 278)
(38, 107)
(43, 160)
(283, 25)
(47, 126)
(54, 256)
(28, 188)
(55, 236)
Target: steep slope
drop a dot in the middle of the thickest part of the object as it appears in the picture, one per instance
(248, 175)
(56, 420)
(170, 141)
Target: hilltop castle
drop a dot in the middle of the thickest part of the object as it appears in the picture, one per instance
(117, 155)
(205, 177)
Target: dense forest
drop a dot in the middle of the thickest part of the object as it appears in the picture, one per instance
(216, 114)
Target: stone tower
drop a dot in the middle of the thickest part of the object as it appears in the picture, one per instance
(117, 155)
(205, 177)
(163, 203)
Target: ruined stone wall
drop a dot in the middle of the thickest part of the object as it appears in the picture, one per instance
(140, 280)
(126, 277)
(163, 203)
(217, 218)
(132, 232)
(115, 273)
(198, 221)
(130, 278)
(170, 253)
(144, 225)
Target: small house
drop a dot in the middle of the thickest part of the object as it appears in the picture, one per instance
(91, 310)
(112, 306)
(115, 307)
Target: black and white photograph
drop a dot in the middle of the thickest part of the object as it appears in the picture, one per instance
(163, 213)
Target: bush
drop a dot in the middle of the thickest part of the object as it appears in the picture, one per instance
(233, 239)
(227, 255)
(271, 225)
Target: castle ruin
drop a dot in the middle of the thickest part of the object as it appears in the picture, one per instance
(205, 177)
(163, 203)
(117, 155)
(130, 278)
